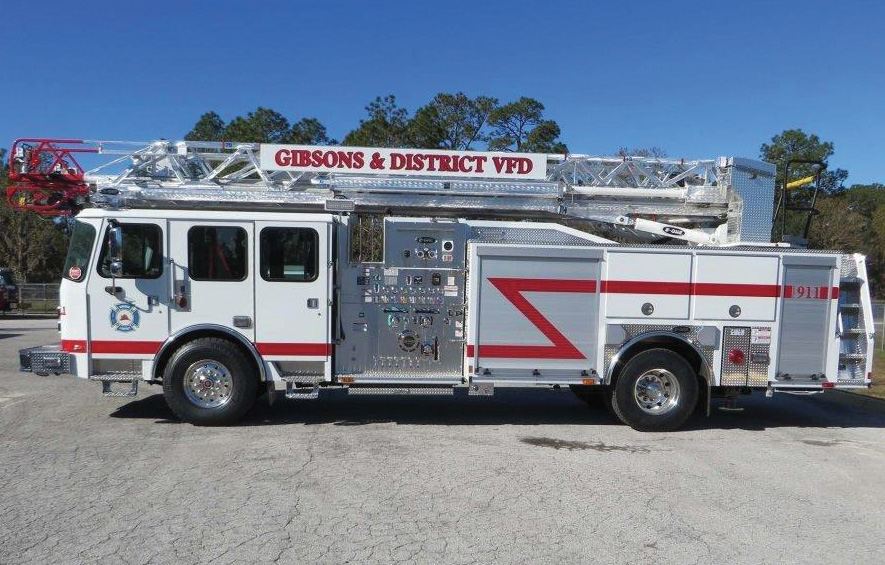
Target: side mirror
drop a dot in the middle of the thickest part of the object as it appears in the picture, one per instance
(115, 244)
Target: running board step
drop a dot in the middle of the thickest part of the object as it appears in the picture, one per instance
(308, 378)
(107, 381)
(412, 391)
(301, 392)
(852, 357)
(309, 392)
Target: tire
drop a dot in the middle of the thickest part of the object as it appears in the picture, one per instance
(209, 382)
(656, 391)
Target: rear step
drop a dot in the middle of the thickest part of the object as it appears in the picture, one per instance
(107, 381)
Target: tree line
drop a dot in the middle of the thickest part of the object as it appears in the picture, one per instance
(849, 218)
(449, 121)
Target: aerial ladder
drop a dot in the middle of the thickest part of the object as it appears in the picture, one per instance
(721, 201)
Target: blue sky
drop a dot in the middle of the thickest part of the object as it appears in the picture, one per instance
(699, 79)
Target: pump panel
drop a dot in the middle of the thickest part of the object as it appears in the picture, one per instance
(404, 317)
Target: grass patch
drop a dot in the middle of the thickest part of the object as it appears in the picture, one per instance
(878, 388)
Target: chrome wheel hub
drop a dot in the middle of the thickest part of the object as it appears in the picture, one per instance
(656, 391)
(208, 384)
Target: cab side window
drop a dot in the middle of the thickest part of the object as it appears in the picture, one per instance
(142, 252)
(217, 253)
(289, 254)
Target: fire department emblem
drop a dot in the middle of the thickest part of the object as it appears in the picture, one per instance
(124, 317)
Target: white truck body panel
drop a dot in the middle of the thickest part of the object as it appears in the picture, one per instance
(529, 314)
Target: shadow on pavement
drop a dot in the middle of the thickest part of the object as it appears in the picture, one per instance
(527, 407)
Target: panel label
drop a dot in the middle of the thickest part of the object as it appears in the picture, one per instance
(760, 336)
(420, 162)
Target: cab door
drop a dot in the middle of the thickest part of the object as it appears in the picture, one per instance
(211, 271)
(129, 313)
(292, 290)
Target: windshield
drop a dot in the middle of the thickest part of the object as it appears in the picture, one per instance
(77, 261)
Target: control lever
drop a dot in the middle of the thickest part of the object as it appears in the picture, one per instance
(180, 298)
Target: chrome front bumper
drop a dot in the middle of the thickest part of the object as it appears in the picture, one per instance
(44, 360)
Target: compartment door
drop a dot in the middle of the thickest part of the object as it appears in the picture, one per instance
(292, 294)
(805, 320)
(212, 275)
(648, 285)
(736, 287)
(131, 321)
(534, 314)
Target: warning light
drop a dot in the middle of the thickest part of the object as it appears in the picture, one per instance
(736, 357)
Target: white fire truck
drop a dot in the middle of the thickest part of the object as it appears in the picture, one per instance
(224, 270)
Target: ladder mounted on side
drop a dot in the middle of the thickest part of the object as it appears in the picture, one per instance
(702, 201)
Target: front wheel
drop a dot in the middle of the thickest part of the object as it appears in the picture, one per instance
(209, 382)
(656, 391)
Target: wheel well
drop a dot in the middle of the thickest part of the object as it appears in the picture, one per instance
(676, 345)
(169, 349)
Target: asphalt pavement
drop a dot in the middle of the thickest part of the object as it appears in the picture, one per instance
(521, 477)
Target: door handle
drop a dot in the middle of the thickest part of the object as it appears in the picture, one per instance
(242, 321)
(313, 302)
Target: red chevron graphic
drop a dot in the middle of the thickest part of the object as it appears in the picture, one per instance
(561, 348)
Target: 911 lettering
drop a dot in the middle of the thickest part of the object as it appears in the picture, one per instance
(810, 292)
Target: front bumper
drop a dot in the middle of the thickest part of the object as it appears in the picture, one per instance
(44, 360)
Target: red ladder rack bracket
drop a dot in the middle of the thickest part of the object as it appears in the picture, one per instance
(44, 176)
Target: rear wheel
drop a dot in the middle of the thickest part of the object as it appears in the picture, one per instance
(209, 382)
(657, 390)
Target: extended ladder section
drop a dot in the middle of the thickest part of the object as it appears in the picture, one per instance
(728, 199)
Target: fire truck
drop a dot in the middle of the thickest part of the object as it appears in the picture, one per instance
(222, 271)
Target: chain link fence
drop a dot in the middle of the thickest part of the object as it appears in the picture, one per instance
(35, 299)
(879, 321)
